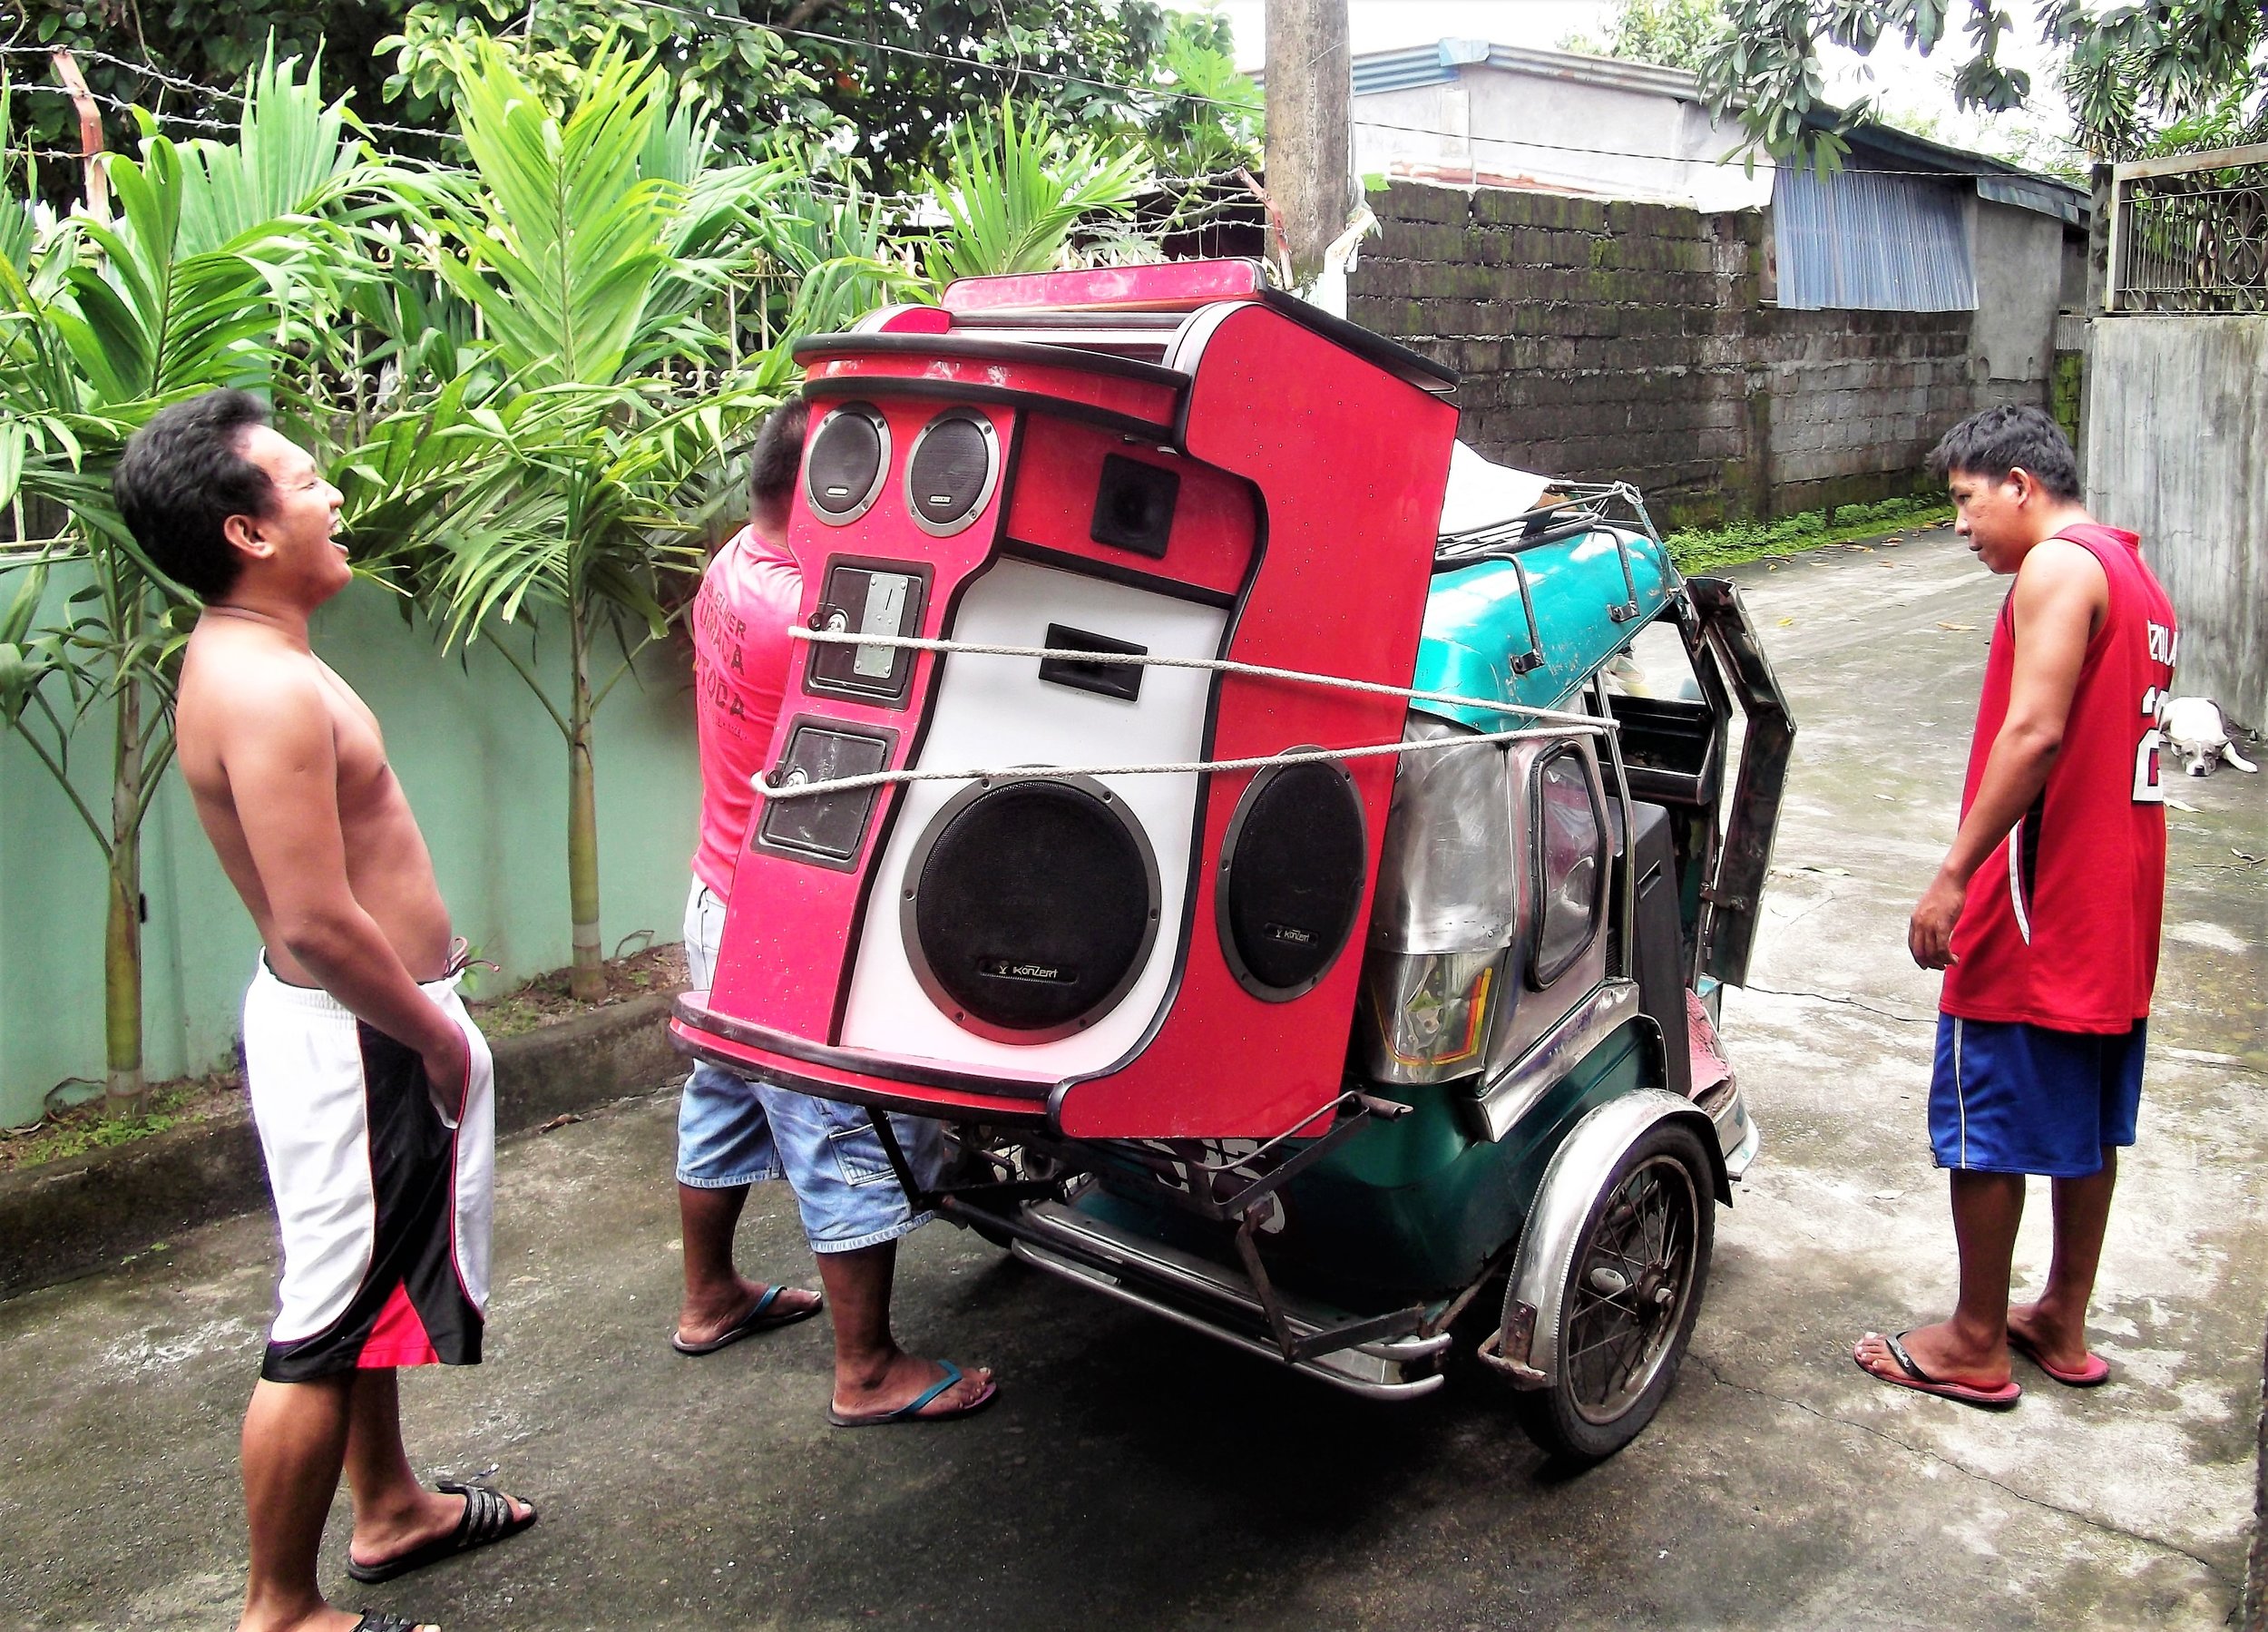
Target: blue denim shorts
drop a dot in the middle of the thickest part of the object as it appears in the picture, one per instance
(735, 1130)
(2010, 1097)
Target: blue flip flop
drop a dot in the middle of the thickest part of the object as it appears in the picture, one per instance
(910, 1411)
(762, 1317)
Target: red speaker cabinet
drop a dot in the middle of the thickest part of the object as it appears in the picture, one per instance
(1169, 460)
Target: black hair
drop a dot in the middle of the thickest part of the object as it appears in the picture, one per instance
(180, 480)
(776, 457)
(1995, 441)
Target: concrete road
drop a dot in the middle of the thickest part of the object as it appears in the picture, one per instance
(1135, 1476)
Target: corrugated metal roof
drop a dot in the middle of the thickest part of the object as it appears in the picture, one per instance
(1437, 64)
(1862, 240)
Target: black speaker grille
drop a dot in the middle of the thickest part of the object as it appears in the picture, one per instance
(1032, 905)
(1134, 506)
(1294, 878)
(950, 475)
(844, 468)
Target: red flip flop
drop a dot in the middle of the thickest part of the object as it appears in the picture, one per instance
(2093, 1375)
(1921, 1382)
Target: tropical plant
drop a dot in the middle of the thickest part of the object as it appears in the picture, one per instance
(1018, 192)
(591, 244)
(204, 280)
(1668, 33)
(843, 254)
(2128, 72)
(1204, 117)
(730, 61)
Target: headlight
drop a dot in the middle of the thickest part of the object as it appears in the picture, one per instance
(1432, 1012)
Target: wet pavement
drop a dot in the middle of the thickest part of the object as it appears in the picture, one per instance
(1133, 1474)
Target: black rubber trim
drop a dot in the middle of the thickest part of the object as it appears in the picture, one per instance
(871, 386)
(819, 347)
(847, 1059)
(1364, 343)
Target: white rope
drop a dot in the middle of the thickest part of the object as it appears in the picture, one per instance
(1567, 723)
(1142, 660)
(1035, 773)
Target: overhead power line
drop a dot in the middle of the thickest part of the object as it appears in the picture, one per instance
(1006, 71)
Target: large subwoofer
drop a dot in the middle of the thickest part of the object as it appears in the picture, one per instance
(1030, 907)
(1292, 871)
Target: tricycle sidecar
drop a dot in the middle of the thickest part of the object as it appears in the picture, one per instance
(1298, 858)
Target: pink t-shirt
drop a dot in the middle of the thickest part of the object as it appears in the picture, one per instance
(750, 595)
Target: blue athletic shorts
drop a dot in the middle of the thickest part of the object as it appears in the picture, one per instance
(2010, 1097)
(735, 1130)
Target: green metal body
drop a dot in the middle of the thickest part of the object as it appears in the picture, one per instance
(1416, 1207)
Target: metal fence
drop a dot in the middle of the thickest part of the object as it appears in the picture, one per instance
(2190, 234)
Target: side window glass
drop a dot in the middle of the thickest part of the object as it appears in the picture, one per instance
(1571, 855)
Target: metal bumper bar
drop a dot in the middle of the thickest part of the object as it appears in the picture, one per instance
(1218, 1301)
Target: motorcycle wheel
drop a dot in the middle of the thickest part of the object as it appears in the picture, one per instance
(1633, 1292)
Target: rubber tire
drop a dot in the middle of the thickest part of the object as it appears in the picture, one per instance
(1548, 1414)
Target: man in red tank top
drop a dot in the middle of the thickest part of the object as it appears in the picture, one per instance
(2045, 914)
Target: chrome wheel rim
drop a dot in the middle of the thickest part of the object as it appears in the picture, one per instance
(1633, 1279)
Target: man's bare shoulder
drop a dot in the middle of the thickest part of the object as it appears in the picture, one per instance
(242, 678)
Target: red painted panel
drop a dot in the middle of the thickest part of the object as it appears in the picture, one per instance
(1053, 506)
(1347, 463)
(791, 925)
(911, 320)
(1351, 463)
(1171, 286)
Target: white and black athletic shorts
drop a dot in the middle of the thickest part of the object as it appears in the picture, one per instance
(384, 1195)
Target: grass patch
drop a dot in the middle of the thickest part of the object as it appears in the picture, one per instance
(166, 1106)
(1699, 549)
(544, 1001)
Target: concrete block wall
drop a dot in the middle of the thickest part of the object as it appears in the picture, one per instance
(1606, 339)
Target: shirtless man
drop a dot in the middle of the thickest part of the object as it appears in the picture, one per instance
(372, 1089)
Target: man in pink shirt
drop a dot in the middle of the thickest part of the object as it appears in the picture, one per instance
(735, 1130)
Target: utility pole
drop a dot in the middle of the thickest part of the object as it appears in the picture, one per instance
(1310, 140)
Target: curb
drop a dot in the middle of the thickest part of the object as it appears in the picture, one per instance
(65, 1219)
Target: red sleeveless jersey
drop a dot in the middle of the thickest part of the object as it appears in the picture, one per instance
(2060, 925)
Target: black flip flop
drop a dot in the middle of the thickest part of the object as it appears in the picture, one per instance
(487, 1519)
(762, 1317)
(378, 1620)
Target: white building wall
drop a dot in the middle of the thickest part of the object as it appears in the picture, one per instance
(1550, 132)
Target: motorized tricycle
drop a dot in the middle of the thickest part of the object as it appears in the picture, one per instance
(1296, 858)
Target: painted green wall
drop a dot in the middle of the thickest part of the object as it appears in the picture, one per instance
(486, 773)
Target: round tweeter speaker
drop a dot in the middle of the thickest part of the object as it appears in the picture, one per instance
(1291, 878)
(952, 471)
(1030, 907)
(847, 463)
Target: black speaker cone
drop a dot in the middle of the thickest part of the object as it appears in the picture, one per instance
(844, 470)
(1030, 907)
(950, 475)
(1292, 878)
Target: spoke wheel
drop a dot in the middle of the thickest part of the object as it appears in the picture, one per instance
(1633, 1292)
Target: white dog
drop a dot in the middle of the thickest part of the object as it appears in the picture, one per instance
(2195, 729)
